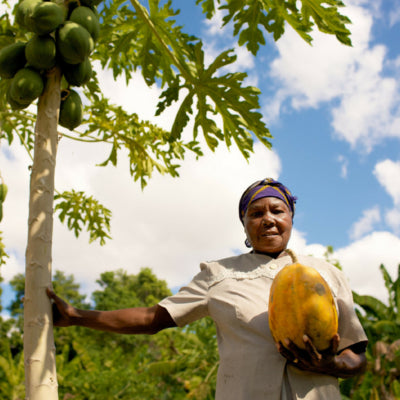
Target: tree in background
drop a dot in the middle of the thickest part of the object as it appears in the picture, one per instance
(132, 37)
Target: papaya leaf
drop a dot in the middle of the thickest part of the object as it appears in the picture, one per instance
(388, 283)
(251, 18)
(78, 211)
(384, 327)
(374, 308)
(326, 17)
(208, 7)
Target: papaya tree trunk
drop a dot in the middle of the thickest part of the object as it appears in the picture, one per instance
(39, 349)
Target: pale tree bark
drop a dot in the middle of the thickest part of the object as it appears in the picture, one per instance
(39, 349)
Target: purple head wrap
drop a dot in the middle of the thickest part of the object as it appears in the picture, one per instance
(266, 188)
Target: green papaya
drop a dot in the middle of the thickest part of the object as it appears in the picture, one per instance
(12, 59)
(46, 17)
(74, 42)
(77, 74)
(85, 17)
(3, 192)
(26, 86)
(24, 12)
(40, 52)
(71, 110)
(13, 103)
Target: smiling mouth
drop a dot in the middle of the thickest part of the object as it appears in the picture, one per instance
(266, 234)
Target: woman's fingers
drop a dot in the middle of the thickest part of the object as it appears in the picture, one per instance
(311, 349)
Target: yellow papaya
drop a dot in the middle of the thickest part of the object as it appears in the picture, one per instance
(71, 109)
(74, 42)
(301, 303)
(40, 52)
(12, 59)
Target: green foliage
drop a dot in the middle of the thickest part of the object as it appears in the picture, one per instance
(381, 323)
(251, 17)
(79, 210)
(222, 95)
(380, 320)
(3, 254)
(11, 375)
(148, 147)
(122, 290)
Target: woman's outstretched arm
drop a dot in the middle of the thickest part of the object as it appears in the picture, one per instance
(138, 320)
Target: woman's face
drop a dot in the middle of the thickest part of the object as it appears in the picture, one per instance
(268, 225)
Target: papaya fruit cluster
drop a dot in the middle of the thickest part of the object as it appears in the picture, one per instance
(59, 34)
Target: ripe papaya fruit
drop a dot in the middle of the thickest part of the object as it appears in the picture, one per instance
(46, 17)
(85, 17)
(41, 51)
(24, 12)
(71, 109)
(26, 86)
(74, 42)
(301, 303)
(77, 74)
(12, 59)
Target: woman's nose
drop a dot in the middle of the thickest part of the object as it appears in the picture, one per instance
(267, 219)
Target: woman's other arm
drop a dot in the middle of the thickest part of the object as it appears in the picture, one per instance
(138, 320)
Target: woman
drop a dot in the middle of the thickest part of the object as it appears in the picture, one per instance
(234, 292)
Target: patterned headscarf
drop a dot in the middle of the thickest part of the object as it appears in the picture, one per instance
(267, 187)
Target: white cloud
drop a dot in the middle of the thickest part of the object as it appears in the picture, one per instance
(213, 25)
(392, 219)
(366, 223)
(368, 101)
(344, 164)
(394, 16)
(388, 174)
(361, 260)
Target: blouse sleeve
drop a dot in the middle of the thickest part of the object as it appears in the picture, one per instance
(350, 328)
(190, 303)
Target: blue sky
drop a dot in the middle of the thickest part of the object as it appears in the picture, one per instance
(334, 112)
